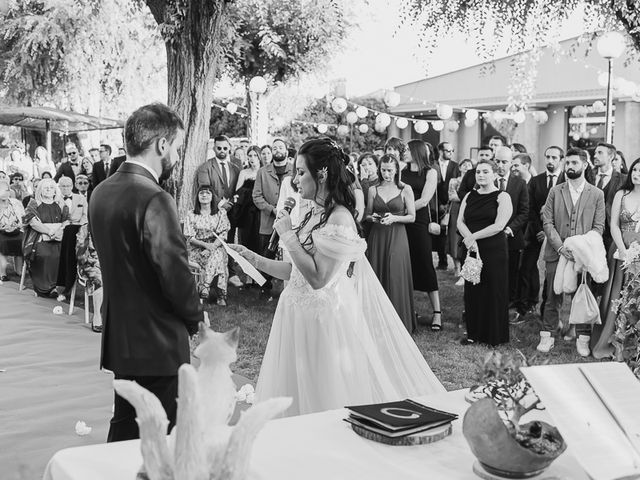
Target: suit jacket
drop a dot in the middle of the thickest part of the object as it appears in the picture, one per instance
(99, 173)
(150, 301)
(609, 191)
(517, 189)
(78, 210)
(266, 191)
(557, 221)
(65, 170)
(444, 178)
(115, 164)
(538, 194)
(467, 183)
(210, 174)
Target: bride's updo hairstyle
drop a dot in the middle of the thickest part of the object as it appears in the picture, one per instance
(321, 153)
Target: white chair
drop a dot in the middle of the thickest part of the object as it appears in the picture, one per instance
(87, 297)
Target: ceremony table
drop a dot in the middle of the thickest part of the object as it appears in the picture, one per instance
(316, 447)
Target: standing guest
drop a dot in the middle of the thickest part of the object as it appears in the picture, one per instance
(447, 169)
(86, 167)
(453, 237)
(47, 217)
(292, 153)
(17, 163)
(78, 210)
(72, 167)
(83, 186)
(607, 180)
(468, 182)
(624, 221)
(518, 148)
(521, 166)
(496, 141)
(483, 217)
(395, 146)
(151, 304)
(620, 163)
(368, 170)
(248, 215)
(11, 213)
(102, 167)
(90, 274)
(390, 207)
(517, 190)
(42, 162)
(422, 178)
(239, 158)
(121, 151)
(34, 186)
(18, 187)
(266, 155)
(539, 188)
(572, 208)
(94, 153)
(200, 229)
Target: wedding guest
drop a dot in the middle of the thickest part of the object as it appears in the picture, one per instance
(607, 180)
(200, 229)
(368, 168)
(624, 221)
(83, 186)
(447, 168)
(248, 215)
(17, 162)
(11, 213)
(86, 167)
(468, 182)
(483, 217)
(47, 216)
(100, 170)
(453, 237)
(90, 274)
(71, 168)
(18, 186)
(34, 186)
(389, 208)
(395, 146)
(422, 178)
(572, 208)
(619, 163)
(266, 155)
(521, 166)
(46, 175)
(42, 162)
(496, 141)
(94, 154)
(517, 148)
(78, 210)
(239, 158)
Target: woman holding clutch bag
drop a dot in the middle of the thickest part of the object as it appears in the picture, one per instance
(625, 214)
(483, 216)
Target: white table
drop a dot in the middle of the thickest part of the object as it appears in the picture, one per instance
(314, 447)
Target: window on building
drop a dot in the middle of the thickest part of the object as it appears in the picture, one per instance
(586, 127)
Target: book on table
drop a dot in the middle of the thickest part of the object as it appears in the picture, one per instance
(596, 408)
(398, 419)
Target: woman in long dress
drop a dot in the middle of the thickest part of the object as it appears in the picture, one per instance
(336, 338)
(484, 214)
(625, 214)
(246, 214)
(389, 208)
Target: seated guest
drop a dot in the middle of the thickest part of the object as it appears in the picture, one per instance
(11, 213)
(77, 205)
(47, 216)
(90, 274)
(83, 186)
(46, 175)
(18, 186)
(204, 248)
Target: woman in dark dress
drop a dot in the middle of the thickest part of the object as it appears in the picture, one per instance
(11, 213)
(244, 213)
(47, 217)
(390, 206)
(423, 181)
(484, 214)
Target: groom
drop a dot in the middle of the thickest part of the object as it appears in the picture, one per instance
(150, 301)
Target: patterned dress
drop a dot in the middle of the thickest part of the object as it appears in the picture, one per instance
(214, 264)
(88, 263)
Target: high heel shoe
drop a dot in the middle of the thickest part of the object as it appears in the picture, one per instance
(436, 327)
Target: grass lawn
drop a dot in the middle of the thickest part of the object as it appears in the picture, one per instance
(454, 364)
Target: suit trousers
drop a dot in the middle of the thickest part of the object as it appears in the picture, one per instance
(528, 278)
(553, 305)
(514, 268)
(68, 266)
(123, 424)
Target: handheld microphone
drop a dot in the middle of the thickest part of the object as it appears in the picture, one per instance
(289, 203)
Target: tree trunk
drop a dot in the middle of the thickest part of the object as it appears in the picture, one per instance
(192, 64)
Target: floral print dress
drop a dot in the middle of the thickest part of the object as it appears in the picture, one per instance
(214, 264)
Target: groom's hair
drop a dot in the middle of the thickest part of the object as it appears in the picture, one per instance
(148, 124)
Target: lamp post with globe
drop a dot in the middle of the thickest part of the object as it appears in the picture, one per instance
(610, 45)
(257, 110)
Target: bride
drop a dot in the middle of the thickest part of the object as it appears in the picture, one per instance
(336, 339)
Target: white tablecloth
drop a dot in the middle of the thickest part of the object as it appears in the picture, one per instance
(314, 447)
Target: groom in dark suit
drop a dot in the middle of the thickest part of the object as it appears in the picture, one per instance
(150, 302)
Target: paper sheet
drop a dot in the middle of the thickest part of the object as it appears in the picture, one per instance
(243, 262)
(592, 434)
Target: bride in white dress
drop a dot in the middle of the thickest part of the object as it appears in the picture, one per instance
(336, 339)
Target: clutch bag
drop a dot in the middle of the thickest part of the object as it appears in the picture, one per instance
(472, 268)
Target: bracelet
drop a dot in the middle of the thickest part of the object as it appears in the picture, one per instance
(290, 240)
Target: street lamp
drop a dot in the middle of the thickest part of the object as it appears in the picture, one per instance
(610, 45)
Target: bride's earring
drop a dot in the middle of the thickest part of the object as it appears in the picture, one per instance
(322, 175)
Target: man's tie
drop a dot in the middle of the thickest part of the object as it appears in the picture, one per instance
(106, 168)
(550, 179)
(601, 181)
(502, 184)
(225, 180)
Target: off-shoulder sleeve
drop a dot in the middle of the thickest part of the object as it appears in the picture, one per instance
(339, 242)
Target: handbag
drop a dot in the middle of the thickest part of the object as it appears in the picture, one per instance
(472, 268)
(584, 307)
(434, 227)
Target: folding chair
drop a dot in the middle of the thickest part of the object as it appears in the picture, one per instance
(87, 297)
(198, 275)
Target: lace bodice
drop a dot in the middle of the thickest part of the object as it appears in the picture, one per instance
(628, 220)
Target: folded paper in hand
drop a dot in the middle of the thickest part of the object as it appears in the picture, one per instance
(243, 262)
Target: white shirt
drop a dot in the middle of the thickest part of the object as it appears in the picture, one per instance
(506, 180)
(444, 164)
(606, 179)
(147, 168)
(576, 192)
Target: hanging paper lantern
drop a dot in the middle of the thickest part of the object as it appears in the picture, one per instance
(362, 112)
(392, 99)
(383, 119)
(421, 126)
(437, 125)
(593, 131)
(576, 136)
(585, 135)
(379, 128)
(232, 108)
(627, 88)
(402, 123)
(444, 111)
(339, 104)
(352, 118)
(322, 128)
(469, 123)
(579, 111)
(343, 130)
(452, 126)
(258, 85)
(598, 106)
(520, 117)
(363, 128)
(471, 115)
(542, 117)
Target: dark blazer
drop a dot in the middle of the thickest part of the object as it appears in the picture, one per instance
(517, 189)
(609, 191)
(115, 164)
(99, 173)
(444, 178)
(150, 300)
(467, 183)
(65, 170)
(538, 194)
(209, 173)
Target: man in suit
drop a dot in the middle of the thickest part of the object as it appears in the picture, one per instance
(150, 304)
(101, 167)
(71, 168)
(115, 164)
(517, 190)
(608, 180)
(468, 182)
(529, 277)
(574, 207)
(447, 169)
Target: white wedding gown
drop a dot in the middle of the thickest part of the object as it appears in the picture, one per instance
(343, 344)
